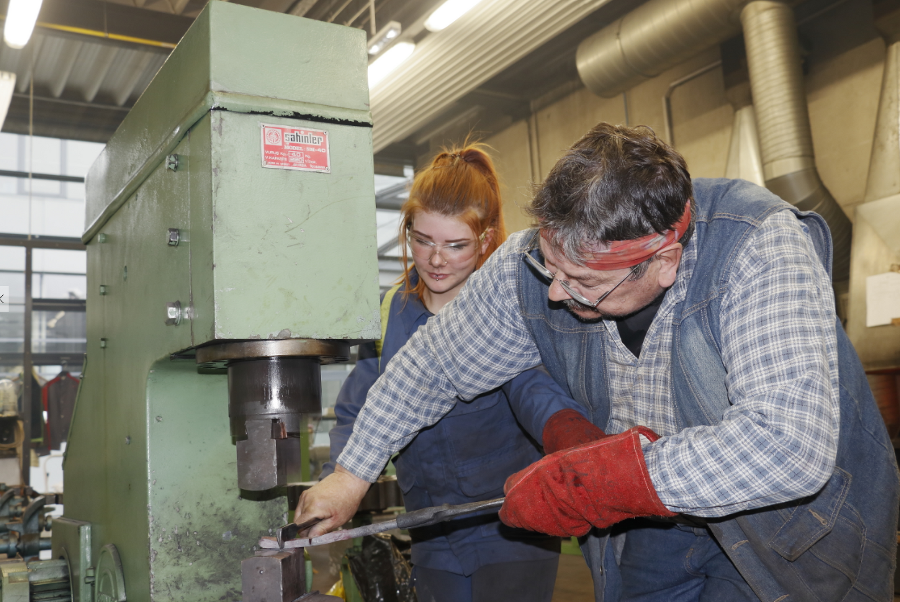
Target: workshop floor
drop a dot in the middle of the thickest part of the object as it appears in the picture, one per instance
(573, 580)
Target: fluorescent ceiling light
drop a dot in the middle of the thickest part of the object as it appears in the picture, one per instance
(390, 60)
(7, 87)
(447, 13)
(20, 19)
(384, 37)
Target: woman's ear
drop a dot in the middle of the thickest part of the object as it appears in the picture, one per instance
(486, 239)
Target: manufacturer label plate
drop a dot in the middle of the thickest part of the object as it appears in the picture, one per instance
(301, 149)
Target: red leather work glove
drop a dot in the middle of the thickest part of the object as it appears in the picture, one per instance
(568, 428)
(599, 484)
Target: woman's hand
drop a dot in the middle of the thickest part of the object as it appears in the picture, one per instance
(334, 500)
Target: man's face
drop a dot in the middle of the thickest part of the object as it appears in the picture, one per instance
(627, 298)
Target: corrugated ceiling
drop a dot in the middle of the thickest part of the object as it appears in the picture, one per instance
(81, 70)
(85, 84)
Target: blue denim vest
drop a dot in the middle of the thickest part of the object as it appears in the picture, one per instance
(839, 544)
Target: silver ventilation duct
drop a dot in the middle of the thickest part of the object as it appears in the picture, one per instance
(884, 167)
(785, 137)
(652, 38)
(876, 244)
(664, 33)
(744, 157)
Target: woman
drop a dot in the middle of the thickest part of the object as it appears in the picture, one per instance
(451, 223)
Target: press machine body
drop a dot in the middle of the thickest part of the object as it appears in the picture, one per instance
(230, 228)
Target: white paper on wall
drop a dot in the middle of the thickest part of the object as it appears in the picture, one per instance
(882, 298)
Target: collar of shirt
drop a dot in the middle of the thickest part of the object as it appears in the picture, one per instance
(412, 311)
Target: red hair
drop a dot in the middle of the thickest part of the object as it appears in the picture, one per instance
(460, 183)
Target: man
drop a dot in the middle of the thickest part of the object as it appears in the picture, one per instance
(729, 457)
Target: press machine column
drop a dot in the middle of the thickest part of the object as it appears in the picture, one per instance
(231, 247)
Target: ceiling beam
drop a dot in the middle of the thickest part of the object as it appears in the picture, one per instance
(302, 7)
(95, 18)
(398, 154)
(510, 104)
(126, 89)
(57, 118)
(178, 6)
(102, 66)
(62, 71)
(24, 81)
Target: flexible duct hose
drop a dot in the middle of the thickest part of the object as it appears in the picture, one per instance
(663, 33)
(776, 78)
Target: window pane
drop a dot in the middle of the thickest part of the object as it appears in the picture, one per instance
(382, 182)
(57, 208)
(9, 152)
(12, 330)
(40, 188)
(10, 370)
(46, 157)
(49, 216)
(12, 274)
(387, 229)
(57, 217)
(58, 286)
(58, 332)
(80, 156)
(73, 367)
(12, 259)
(57, 261)
(75, 191)
(44, 208)
(387, 222)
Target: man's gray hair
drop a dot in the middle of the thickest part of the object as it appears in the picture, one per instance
(616, 183)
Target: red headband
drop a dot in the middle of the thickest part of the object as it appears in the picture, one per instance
(623, 254)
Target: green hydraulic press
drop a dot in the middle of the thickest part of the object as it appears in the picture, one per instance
(231, 248)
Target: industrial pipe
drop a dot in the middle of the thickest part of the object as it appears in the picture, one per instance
(785, 136)
(667, 97)
(884, 167)
(652, 38)
(744, 157)
(663, 33)
(874, 245)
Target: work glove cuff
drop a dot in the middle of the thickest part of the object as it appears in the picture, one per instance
(568, 428)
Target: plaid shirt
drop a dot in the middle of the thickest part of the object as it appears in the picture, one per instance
(778, 345)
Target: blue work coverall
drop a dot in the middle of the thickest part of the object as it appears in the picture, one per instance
(465, 457)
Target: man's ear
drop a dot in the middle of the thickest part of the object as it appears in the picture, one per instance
(669, 258)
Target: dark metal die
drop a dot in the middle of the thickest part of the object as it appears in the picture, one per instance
(264, 460)
(273, 576)
(267, 398)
